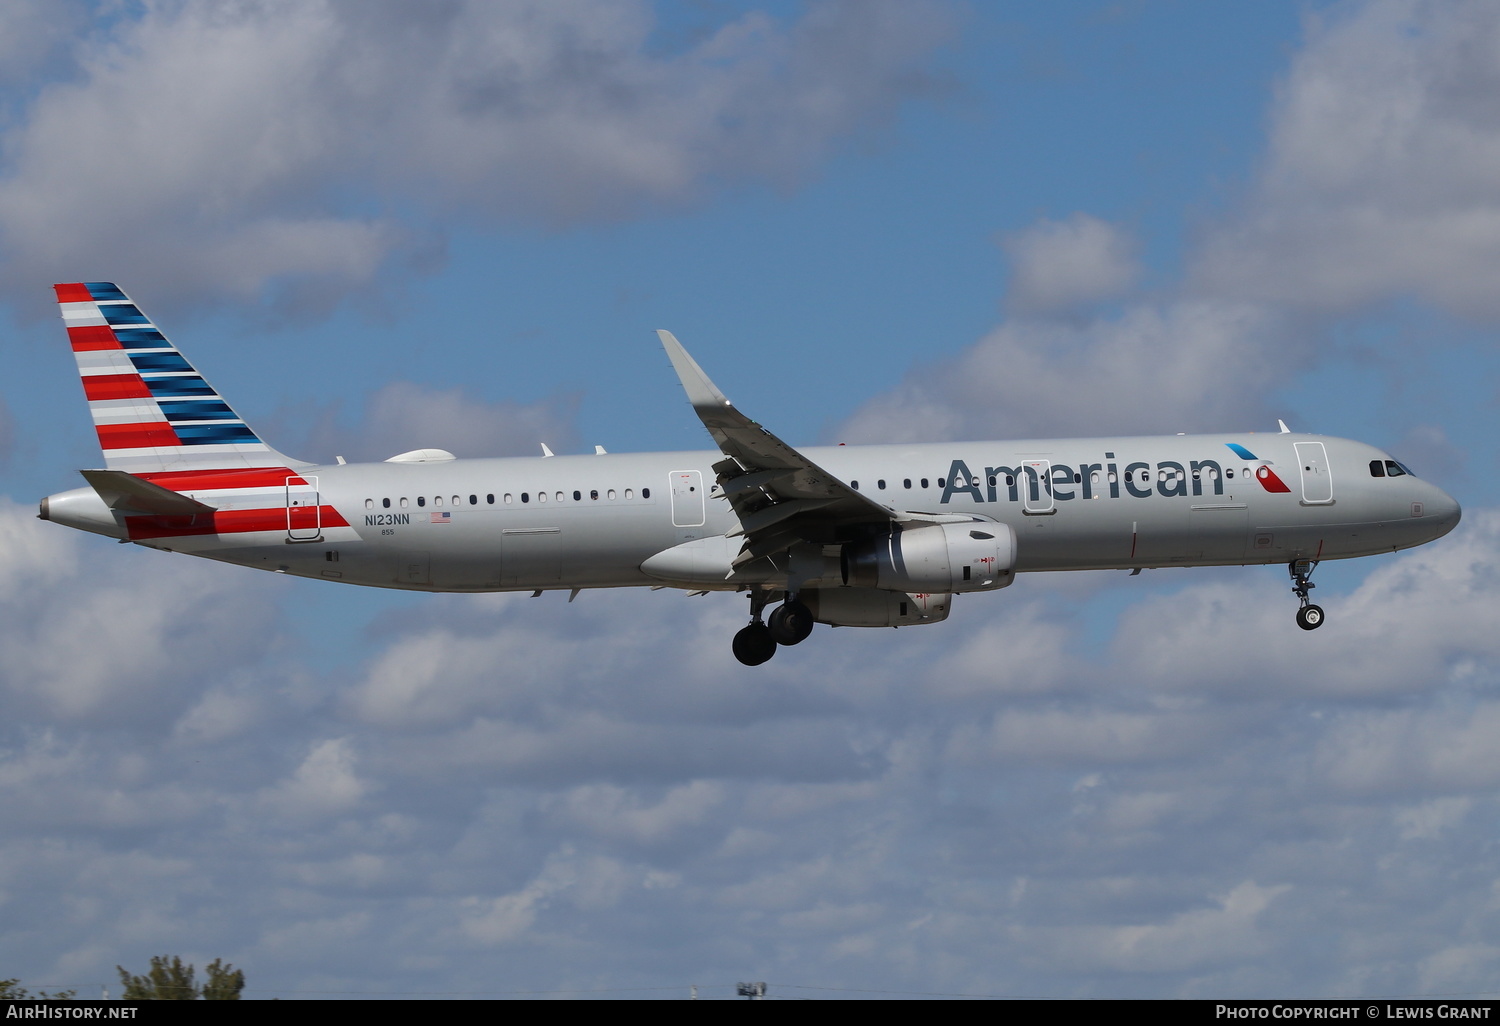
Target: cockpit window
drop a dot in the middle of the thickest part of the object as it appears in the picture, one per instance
(1394, 469)
(1377, 468)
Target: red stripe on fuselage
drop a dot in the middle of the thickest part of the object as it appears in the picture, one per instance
(93, 336)
(204, 480)
(115, 386)
(137, 436)
(224, 521)
(74, 292)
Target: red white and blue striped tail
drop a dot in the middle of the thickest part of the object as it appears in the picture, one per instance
(152, 410)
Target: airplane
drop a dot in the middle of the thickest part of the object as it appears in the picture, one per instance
(849, 536)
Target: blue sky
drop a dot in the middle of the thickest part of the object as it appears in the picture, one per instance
(382, 226)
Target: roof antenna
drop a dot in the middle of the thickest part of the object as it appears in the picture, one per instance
(545, 451)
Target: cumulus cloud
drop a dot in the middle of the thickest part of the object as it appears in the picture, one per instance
(231, 149)
(402, 416)
(1059, 265)
(599, 790)
(1379, 180)
(1378, 185)
(1181, 366)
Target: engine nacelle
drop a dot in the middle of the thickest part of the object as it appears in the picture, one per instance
(866, 607)
(976, 555)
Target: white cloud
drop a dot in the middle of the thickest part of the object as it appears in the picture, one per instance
(87, 637)
(234, 149)
(1182, 366)
(1060, 265)
(402, 416)
(1379, 181)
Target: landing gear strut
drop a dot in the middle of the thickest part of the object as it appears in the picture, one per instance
(754, 644)
(1309, 617)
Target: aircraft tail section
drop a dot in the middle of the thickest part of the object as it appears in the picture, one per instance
(153, 411)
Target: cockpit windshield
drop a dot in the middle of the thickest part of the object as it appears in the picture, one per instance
(1389, 468)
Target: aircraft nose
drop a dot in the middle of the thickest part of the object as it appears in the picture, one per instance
(1443, 510)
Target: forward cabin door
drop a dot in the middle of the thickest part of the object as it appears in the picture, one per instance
(304, 512)
(1317, 481)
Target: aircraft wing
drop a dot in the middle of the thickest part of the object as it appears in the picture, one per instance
(781, 497)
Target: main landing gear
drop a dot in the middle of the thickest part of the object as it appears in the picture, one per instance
(1309, 617)
(790, 624)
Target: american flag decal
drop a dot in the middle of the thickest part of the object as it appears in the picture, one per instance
(442, 518)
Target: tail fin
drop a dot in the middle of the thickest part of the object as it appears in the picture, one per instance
(152, 410)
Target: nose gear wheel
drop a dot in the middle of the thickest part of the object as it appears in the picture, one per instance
(1309, 616)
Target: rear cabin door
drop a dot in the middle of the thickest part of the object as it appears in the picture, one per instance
(304, 513)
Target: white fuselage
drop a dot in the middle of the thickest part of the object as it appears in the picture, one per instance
(592, 521)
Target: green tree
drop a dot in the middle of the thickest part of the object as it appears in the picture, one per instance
(170, 980)
(11, 990)
(224, 982)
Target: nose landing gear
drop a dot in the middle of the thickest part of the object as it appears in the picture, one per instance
(1309, 616)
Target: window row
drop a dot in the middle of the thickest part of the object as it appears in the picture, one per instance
(1141, 475)
(508, 498)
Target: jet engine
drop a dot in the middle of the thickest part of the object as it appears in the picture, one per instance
(976, 555)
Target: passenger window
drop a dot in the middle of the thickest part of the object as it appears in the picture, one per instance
(645, 493)
(880, 484)
(924, 483)
(629, 493)
(611, 493)
(369, 504)
(437, 500)
(1094, 477)
(421, 500)
(1394, 469)
(1114, 477)
(403, 502)
(942, 482)
(507, 498)
(541, 496)
(474, 500)
(854, 485)
(992, 480)
(386, 503)
(1010, 481)
(577, 496)
(459, 501)
(594, 493)
(907, 482)
(1077, 478)
(525, 496)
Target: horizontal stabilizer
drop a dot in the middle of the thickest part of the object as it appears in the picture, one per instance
(129, 493)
